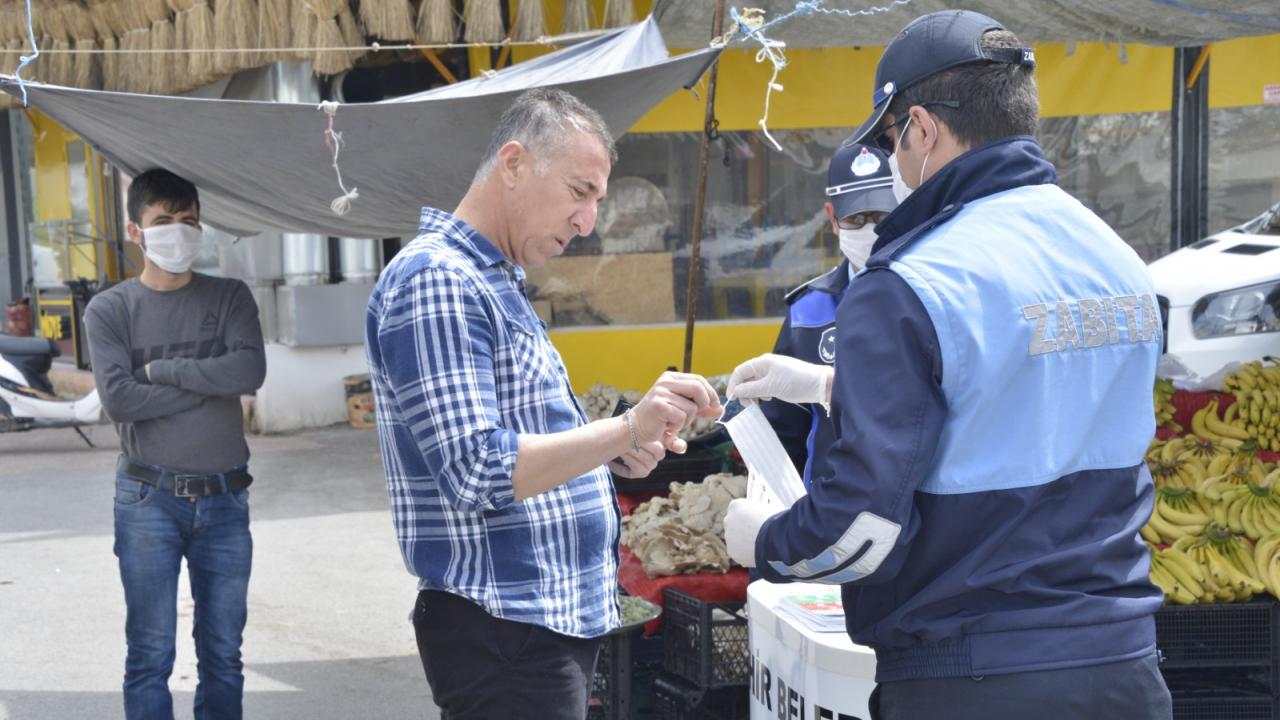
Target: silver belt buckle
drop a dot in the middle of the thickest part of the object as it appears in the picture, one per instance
(182, 485)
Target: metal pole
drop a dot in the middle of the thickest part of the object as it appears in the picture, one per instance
(700, 199)
(1189, 176)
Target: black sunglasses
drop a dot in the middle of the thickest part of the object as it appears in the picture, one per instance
(885, 143)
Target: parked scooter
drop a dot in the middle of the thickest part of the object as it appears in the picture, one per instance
(27, 401)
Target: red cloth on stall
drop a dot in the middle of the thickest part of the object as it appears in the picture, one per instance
(1186, 404)
(711, 587)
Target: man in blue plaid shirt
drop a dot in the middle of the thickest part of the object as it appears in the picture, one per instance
(503, 504)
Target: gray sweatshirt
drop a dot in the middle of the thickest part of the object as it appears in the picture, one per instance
(204, 344)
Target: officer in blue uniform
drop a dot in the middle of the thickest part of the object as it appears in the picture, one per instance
(859, 195)
(991, 404)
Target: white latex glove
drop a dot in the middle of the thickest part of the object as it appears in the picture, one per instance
(742, 524)
(769, 377)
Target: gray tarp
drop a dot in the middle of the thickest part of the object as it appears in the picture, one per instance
(687, 23)
(264, 166)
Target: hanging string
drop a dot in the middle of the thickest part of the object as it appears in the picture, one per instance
(341, 205)
(750, 25)
(27, 59)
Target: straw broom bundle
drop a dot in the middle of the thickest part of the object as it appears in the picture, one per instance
(352, 34)
(619, 13)
(114, 14)
(530, 23)
(86, 66)
(327, 34)
(61, 68)
(303, 28)
(9, 38)
(236, 26)
(387, 19)
(483, 19)
(135, 66)
(577, 17)
(435, 22)
(274, 28)
(161, 65)
(107, 38)
(183, 80)
(194, 28)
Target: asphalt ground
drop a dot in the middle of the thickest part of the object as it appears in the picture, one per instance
(328, 633)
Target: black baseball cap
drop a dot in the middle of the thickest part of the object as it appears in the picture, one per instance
(927, 46)
(859, 181)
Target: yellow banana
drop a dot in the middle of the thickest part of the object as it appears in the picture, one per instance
(1150, 535)
(1170, 532)
(1234, 512)
(1219, 428)
(1180, 574)
(1180, 558)
(1247, 516)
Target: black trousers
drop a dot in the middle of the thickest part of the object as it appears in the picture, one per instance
(482, 667)
(1128, 690)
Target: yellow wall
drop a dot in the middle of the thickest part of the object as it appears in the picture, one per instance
(1238, 70)
(52, 181)
(831, 87)
(631, 358)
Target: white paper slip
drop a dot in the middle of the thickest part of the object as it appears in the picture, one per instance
(767, 461)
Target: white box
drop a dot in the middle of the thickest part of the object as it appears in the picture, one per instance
(799, 673)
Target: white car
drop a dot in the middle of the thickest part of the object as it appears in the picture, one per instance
(1220, 297)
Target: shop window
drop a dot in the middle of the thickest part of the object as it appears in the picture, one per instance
(764, 233)
(1119, 166)
(1244, 163)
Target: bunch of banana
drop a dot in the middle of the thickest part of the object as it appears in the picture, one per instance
(1174, 572)
(1175, 467)
(1230, 571)
(1259, 416)
(1266, 556)
(1248, 508)
(1205, 449)
(1254, 376)
(1160, 396)
(1205, 423)
(1241, 466)
(1177, 513)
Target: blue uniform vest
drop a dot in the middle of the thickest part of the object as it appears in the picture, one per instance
(1029, 315)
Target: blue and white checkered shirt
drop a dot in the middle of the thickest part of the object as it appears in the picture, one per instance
(460, 366)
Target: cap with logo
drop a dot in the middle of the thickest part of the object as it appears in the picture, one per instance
(859, 180)
(927, 46)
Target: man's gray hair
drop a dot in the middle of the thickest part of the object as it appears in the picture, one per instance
(543, 120)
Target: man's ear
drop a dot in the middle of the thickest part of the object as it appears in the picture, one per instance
(134, 232)
(512, 157)
(929, 126)
(831, 217)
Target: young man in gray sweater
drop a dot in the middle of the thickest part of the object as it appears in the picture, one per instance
(172, 353)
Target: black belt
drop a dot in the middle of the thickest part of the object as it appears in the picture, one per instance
(185, 484)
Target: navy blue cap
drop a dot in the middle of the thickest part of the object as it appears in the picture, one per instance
(859, 180)
(927, 46)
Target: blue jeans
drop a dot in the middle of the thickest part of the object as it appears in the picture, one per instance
(154, 530)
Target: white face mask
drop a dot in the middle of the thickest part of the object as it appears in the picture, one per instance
(900, 188)
(856, 244)
(172, 247)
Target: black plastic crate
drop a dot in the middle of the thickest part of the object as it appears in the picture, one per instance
(1224, 707)
(624, 670)
(1231, 635)
(676, 699)
(705, 643)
